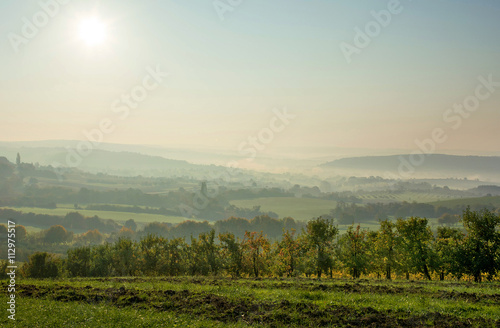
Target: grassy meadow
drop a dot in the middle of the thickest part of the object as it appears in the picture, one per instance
(226, 302)
(119, 217)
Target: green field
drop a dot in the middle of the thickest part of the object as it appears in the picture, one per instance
(307, 208)
(224, 302)
(31, 229)
(407, 196)
(297, 208)
(119, 217)
(76, 182)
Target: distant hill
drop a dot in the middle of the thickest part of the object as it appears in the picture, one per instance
(195, 156)
(121, 160)
(6, 167)
(486, 190)
(113, 162)
(436, 164)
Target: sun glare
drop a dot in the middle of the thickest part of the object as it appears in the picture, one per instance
(92, 31)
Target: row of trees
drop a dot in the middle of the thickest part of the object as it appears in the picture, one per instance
(346, 213)
(72, 220)
(407, 246)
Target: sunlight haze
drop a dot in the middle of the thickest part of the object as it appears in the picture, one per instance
(226, 76)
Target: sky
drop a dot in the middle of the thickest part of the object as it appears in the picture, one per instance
(223, 72)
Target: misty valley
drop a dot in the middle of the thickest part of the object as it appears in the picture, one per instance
(234, 164)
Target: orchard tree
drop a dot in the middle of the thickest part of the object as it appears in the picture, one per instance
(288, 250)
(202, 255)
(210, 251)
(172, 262)
(375, 261)
(101, 261)
(482, 243)
(124, 257)
(353, 247)
(232, 252)
(151, 250)
(447, 251)
(257, 249)
(194, 260)
(42, 265)
(307, 256)
(414, 240)
(385, 245)
(320, 235)
(78, 262)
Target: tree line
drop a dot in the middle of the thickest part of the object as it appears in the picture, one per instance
(346, 213)
(397, 249)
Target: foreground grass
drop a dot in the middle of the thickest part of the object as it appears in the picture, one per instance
(49, 313)
(224, 302)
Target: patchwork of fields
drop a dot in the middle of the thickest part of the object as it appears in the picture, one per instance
(297, 208)
(408, 196)
(488, 200)
(119, 217)
(225, 302)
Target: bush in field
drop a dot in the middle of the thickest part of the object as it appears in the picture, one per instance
(157, 228)
(449, 219)
(91, 237)
(42, 265)
(126, 233)
(21, 233)
(57, 235)
(131, 225)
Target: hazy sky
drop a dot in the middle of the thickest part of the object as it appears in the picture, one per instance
(226, 76)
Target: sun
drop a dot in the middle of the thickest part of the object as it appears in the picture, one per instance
(92, 31)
